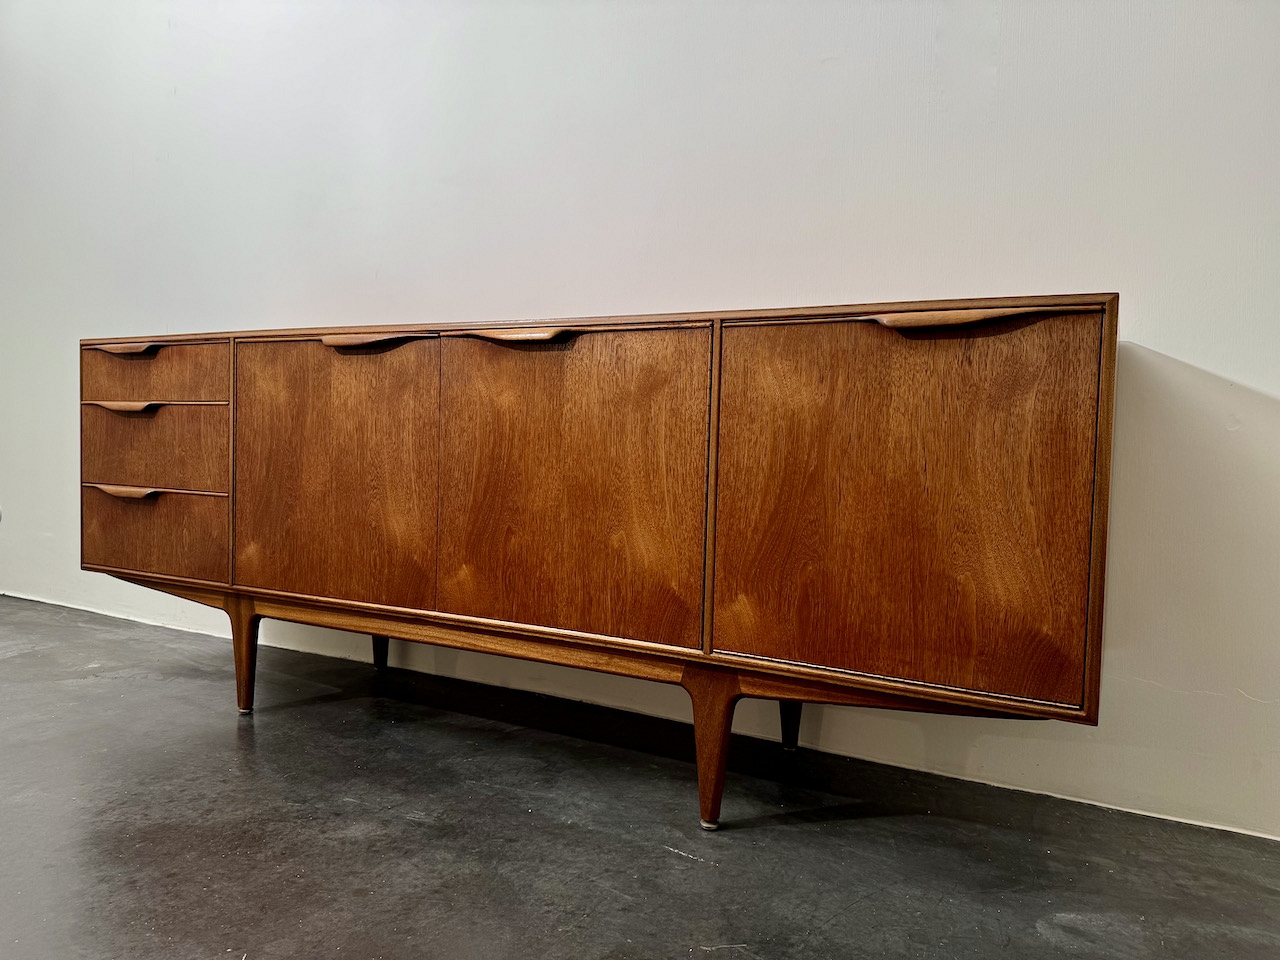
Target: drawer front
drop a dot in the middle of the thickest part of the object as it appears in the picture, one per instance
(177, 534)
(187, 371)
(184, 447)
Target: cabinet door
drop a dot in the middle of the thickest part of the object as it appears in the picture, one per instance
(573, 481)
(337, 454)
(910, 504)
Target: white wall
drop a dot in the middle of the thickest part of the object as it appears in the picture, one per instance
(194, 166)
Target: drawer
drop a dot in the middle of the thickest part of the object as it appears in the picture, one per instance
(177, 534)
(181, 446)
(176, 371)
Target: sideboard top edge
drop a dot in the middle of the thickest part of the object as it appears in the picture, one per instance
(626, 321)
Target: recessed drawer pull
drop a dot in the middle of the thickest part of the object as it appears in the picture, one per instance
(346, 340)
(518, 335)
(125, 493)
(127, 349)
(947, 318)
(128, 406)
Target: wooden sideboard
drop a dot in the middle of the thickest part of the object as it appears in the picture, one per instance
(888, 505)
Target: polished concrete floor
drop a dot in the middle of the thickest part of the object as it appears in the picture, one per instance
(399, 816)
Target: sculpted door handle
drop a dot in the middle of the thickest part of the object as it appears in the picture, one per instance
(946, 318)
(125, 493)
(345, 340)
(128, 406)
(127, 349)
(517, 334)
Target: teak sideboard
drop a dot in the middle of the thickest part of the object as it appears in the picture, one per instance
(889, 505)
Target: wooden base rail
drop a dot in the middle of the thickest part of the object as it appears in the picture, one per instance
(714, 691)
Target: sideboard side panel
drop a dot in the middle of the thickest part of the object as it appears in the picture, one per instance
(911, 504)
(336, 470)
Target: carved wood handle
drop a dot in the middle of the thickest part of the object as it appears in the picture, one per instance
(946, 318)
(127, 349)
(128, 406)
(339, 340)
(516, 334)
(125, 493)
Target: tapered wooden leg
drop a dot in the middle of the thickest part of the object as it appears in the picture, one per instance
(244, 640)
(789, 713)
(714, 693)
(381, 647)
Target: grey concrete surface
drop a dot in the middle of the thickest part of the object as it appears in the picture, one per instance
(399, 816)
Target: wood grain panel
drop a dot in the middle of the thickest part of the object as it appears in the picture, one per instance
(911, 504)
(186, 447)
(337, 456)
(573, 482)
(176, 534)
(194, 371)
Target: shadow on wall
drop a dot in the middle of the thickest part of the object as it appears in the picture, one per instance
(1190, 721)
(1190, 718)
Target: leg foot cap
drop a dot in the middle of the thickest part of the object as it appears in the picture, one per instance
(245, 711)
(709, 824)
